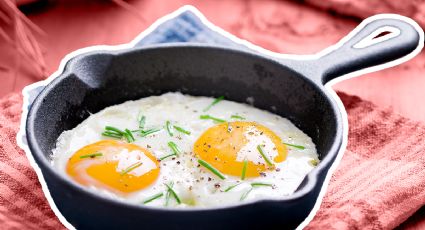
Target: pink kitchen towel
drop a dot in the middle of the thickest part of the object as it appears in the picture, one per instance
(379, 183)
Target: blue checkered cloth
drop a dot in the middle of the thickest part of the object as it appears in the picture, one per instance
(186, 27)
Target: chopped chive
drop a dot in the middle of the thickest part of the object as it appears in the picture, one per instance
(231, 187)
(314, 162)
(174, 148)
(245, 194)
(180, 129)
(142, 120)
(170, 189)
(114, 132)
(260, 149)
(169, 128)
(131, 168)
(167, 195)
(237, 117)
(113, 135)
(154, 197)
(113, 129)
(217, 100)
(117, 133)
(167, 156)
(92, 155)
(129, 136)
(295, 146)
(211, 168)
(149, 132)
(245, 165)
(208, 117)
(257, 184)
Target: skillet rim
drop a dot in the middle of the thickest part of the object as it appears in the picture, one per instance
(312, 177)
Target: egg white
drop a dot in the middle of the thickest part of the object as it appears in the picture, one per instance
(195, 185)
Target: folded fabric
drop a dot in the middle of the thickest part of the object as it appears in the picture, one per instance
(22, 202)
(378, 184)
(380, 181)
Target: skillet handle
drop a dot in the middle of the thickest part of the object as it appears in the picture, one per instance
(364, 48)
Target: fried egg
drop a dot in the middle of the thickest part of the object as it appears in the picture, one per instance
(114, 165)
(177, 150)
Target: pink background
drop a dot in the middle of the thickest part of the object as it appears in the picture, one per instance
(281, 26)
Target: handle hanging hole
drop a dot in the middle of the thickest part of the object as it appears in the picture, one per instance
(383, 33)
(379, 35)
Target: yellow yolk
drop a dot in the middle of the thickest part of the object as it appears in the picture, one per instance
(114, 165)
(226, 146)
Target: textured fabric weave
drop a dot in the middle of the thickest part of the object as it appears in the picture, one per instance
(381, 179)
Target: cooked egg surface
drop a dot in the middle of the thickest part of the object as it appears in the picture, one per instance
(183, 152)
(228, 146)
(114, 165)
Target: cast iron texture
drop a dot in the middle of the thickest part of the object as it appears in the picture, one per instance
(290, 88)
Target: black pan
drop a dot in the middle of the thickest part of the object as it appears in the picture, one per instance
(291, 88)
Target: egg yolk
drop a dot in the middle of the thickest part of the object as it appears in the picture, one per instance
(228, 146)
(114, 165)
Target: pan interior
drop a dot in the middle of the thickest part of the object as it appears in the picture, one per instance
(98, 80)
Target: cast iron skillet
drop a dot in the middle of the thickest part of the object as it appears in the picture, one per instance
(293, 88)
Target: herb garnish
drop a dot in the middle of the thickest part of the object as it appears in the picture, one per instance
(129, 136)
(245, 194)
(295, 146)
(154, 197)
(142, 120)
(208, 117)
(174, 148)
(92, 155)
(167, 194)
(257, 184)
(231, 187)
(253, 185)
(167, 156)
(113, 132)
(237, 117)
(117, 133)
(314, 162)
(113, 129)
(245, 165)
(211, 168)
(131, 168)
(180, 129)
(169, 128)
(217, 100)
(260, 149)
(149, 131)
(172, 192)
